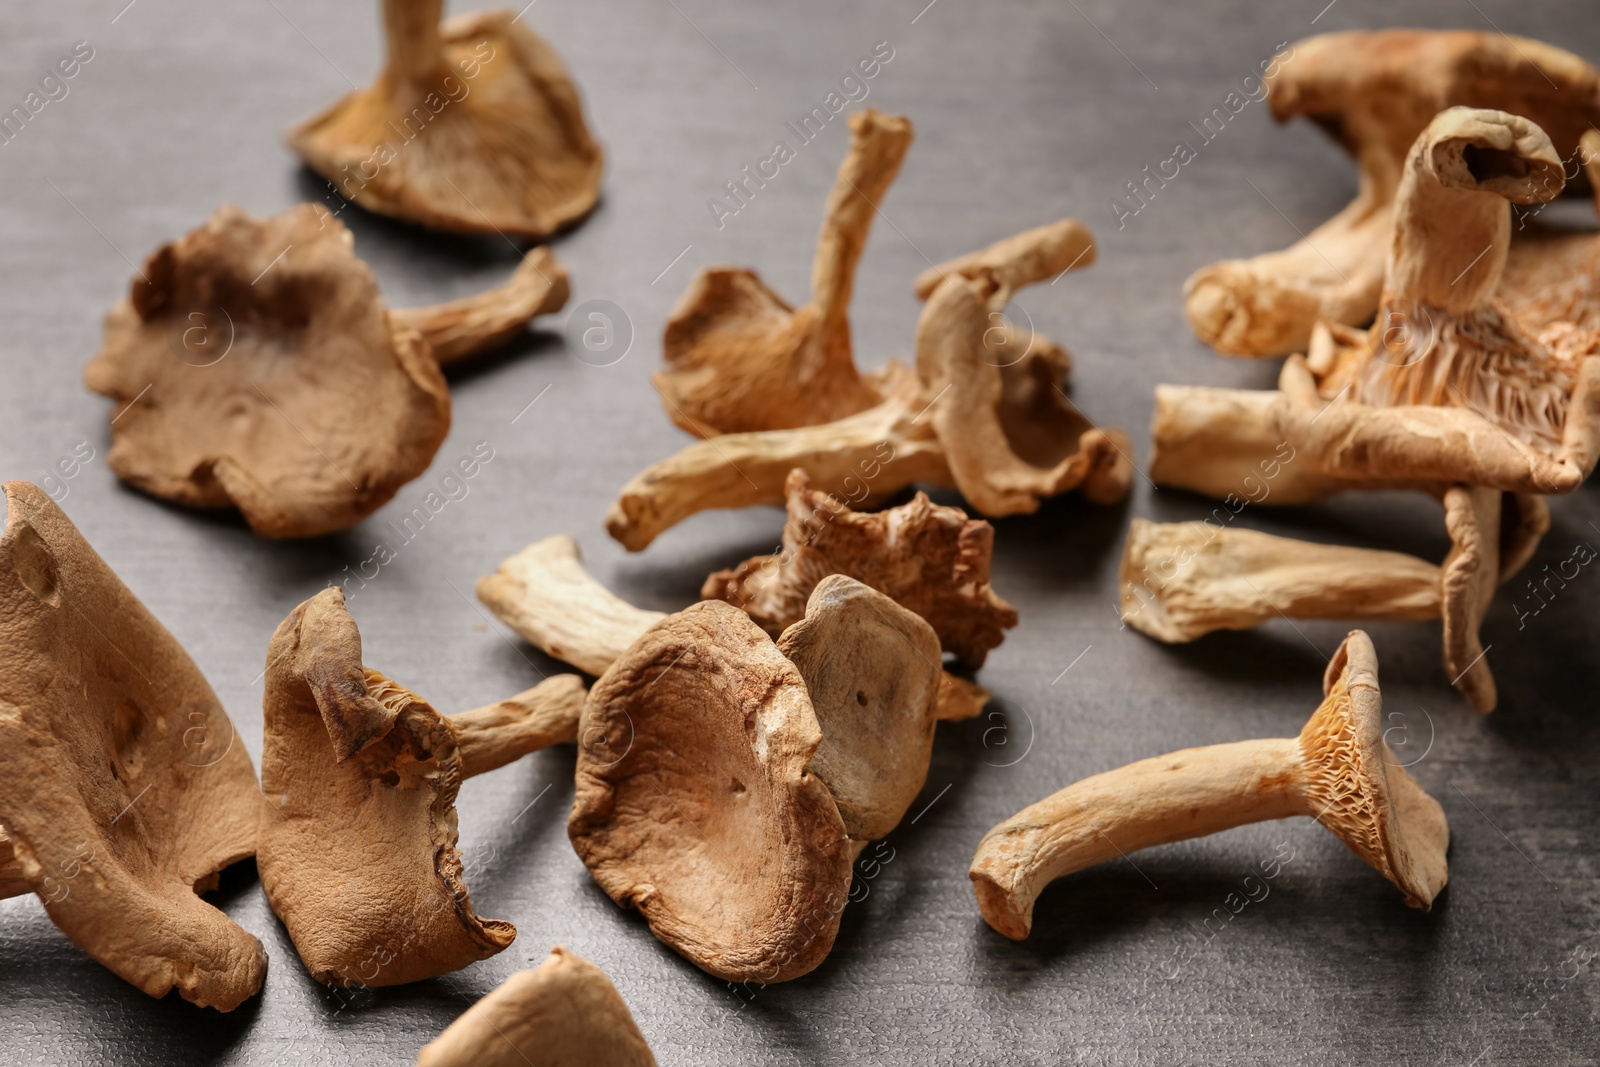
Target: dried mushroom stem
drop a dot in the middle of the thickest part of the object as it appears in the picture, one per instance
(411, 29)
(503, 732)
(1338, 771)
(1031, 256)
(474, 324)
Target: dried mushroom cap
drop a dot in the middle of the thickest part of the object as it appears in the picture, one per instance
(122, 792)
(694, 803)
(546, 596)
(1374, 93)
(1339, 771)
(565, 1012)
(473, 126)
(740, 358)
(255, 366)
(872, 670)
(931, 559)
(1447, 385)
(358, 840)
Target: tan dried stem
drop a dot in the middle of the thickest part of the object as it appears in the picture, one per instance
(357, 848)
(474, 324)
(123, 789)
(1374, 92)
(473, 126)
(1046, 251)
(739, 358)
(563, 1013)
(1339, 771)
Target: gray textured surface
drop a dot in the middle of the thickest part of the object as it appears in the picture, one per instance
(1025, 112)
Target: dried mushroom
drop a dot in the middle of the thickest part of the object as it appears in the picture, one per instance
(695, 804)
(984, 413)
(1339, 771)
(1374, 93)
(740, 358)
(565, 1012)
(473, 126)
(255, 366)
(358, 837)
(122, 793)
(931, 559)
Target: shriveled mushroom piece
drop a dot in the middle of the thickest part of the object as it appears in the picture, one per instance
(358, 840)
(931, 559)
(1374, 93)
(695, 803)
(1338, 771)
(563, 1013)
(255, 366)
(122, 792)
(473, 126)
(550, 600)
(984, 413)
(740, 358)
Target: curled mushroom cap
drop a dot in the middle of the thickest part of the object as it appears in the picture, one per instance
(563, 1013)
(1374, 93)
(473, 126)
(740, 358)
(358, 840)
(695, 804)
(255, 366)
(122, 791)
(1339, 771)
(931, 559)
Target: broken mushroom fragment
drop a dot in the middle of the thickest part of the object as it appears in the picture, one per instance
(122, 792)
(563, 1013)
(357, 848)
(1339, 771)
(985, 413)
(931, 559)
(695, 803)
(473, 126)
(1374, 92)
(255, 366)
(739, 358)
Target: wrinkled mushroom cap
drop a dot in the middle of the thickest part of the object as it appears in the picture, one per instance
(254, 366)
(872, 670)
(1356, 788)
(358, 840)
(122, 787)
(503, 150)
(563, 1013)
(931, 559)
(694, 802)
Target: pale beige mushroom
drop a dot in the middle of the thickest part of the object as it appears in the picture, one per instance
(473, 126)
(931, 559)
(357, 848)
(563, 1013)
(1339, 771)
(546, 596)
(1374, 92)
(123, 792)
(255, 366)
(985, 413)
(739, 358)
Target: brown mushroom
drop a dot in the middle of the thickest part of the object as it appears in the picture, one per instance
(358, 840)
(122, 792)
(1374, 92)
(984, 413)
(545, 595)
(695, 804)
(255, 366)
(740, 358)
(563, 1013)
(1339, 771)
(931, 559)
(473, 126)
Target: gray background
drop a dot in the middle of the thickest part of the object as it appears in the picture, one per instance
(1024, 112)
